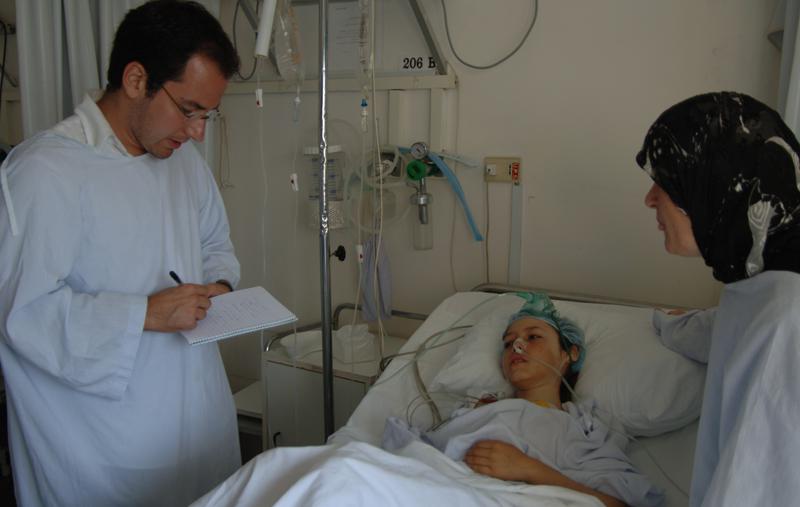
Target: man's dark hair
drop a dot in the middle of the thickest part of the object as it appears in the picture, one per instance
(162, 35)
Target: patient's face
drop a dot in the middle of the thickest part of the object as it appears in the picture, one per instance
(537, 339)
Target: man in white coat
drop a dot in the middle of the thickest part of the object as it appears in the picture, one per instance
(108, 404)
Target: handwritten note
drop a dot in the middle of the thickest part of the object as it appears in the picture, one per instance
(239, 312)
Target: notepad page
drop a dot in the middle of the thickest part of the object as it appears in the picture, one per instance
(239, 312)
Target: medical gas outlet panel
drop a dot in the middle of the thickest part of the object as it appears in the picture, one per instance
(502, 169)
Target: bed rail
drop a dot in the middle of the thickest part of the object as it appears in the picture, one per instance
(499, 288)
(335, 321)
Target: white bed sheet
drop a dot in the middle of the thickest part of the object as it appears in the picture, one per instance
(361, 474)
(392, 394)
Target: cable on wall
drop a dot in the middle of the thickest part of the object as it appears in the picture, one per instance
(501, 60)
(5, 49)
(255, 58)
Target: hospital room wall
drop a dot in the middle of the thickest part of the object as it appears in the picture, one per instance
(574, 103)
(589, 97)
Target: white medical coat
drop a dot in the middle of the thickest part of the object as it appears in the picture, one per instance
(101, 412)
(748, 448)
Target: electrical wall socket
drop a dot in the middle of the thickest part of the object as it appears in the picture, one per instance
(502, 169)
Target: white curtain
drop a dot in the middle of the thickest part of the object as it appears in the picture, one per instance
(783, 32)
(64, 47)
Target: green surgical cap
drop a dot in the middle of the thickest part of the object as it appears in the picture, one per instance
(539, 306)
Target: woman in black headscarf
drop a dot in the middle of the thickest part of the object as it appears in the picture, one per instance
(726, 186)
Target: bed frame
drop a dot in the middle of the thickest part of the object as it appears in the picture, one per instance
(499, 288)
(494, 288)
(335, 322)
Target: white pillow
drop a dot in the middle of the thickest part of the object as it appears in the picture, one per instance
(475, 369)
(644, 386)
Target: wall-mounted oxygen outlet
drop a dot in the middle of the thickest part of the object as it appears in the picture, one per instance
(502, 169)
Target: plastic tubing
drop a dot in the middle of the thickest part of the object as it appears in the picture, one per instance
(423, 347)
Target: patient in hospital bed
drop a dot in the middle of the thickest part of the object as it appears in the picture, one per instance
(539, 436)
(533, 450)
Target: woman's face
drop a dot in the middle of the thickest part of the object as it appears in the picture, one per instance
(535, 339)
(677, 227)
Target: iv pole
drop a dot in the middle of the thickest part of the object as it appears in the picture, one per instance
(264, 24)
(324, 246)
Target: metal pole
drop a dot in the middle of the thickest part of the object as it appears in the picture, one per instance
(324, 247)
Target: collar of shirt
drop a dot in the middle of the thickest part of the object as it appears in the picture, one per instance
(96, 129)
(88, 126)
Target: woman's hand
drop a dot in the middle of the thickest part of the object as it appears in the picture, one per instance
(504, 461)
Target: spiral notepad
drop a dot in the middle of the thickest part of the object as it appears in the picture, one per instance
(239, 312)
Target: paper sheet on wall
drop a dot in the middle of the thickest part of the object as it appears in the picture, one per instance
(344, 20)
(344, 40)
(239, 312)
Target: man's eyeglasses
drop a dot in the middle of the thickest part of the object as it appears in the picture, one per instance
(209, 114)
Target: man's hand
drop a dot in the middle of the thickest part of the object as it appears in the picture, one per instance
(179, 308)
(217, 288)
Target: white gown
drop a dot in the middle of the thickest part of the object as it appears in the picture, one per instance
(573, 441)
(748, 448)
(100, 412)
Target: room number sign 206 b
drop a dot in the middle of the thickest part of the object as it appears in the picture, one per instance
(418, 62)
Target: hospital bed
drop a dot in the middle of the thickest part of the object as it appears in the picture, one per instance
(644, 390)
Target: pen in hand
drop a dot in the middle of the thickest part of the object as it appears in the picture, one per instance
(175, 277)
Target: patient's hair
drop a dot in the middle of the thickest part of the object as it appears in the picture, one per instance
(162, 35)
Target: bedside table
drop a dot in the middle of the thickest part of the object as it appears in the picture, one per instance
(294, 397)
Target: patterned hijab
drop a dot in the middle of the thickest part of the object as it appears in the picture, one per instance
(731, 164)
